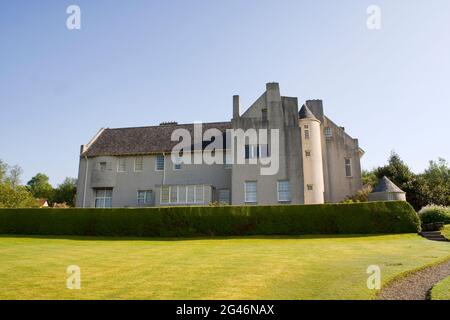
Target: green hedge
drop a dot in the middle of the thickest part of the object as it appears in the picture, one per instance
(357, 218)
(433, 213)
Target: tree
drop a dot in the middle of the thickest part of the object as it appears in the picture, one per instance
(437, 177)
(65, 192)
(18, 197)
(3, 170)
(13, 178)
(39, 186)
(369, 177)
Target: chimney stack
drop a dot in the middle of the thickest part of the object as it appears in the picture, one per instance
(236, 105)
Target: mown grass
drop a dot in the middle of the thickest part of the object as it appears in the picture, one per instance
(441, 291)
(446, 231)
(306, 267)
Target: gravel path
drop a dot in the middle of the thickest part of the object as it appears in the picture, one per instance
(417, 285)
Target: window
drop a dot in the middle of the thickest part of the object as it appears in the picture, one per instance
(308, 153)
(181, 194)
(348, 167)
(251, 151)
(328, 132)
(199, 196)
(306, 129)
(284, 191)
(138, 164)
(177, 163)
(102, 166)
(122, 165)
(159, 162)
(165, 194)
(103, 198)
(264, 114)
(224, 196)
(309, 187)
(173, 194)
(263, 151)
(145, 197)
(250, 191)
(190, 194)
(228, 160)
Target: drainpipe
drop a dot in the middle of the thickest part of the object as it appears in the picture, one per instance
(85, 181)
(164, 169)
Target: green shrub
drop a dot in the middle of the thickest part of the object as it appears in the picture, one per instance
(357, 218)
(434, 213)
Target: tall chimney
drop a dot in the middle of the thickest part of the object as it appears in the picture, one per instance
(236, 105)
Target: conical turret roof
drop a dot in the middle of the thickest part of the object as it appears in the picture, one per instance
(305, 113)
(386, 185)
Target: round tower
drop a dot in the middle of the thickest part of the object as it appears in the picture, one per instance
(312, 156)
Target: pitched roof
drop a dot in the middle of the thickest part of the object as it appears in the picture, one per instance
(305, 113)
(386, 185)
(143, 140)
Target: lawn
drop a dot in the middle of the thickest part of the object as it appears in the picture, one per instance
(441, 291)
(446, 231)
(329, 267)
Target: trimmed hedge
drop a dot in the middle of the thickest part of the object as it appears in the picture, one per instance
(356, 218)
(433, 213)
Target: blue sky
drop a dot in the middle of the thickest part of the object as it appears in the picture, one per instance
(138, 63)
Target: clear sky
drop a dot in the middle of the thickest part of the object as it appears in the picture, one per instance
(141, 62)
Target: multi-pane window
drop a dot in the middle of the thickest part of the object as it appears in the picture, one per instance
(182, 194)
(228, 160)
(284, 191)
(173, 194)
(138, 164)
(328, 132)
(165, 194)
(250, 191)
(103, 166)
(177, 163)
(122, 165)
(251, 151)
(348, 167)
(224, 196)
(145, 197)
(308, 153)
(160, 162)
(103, 198)
(309, 187)
(306, 131)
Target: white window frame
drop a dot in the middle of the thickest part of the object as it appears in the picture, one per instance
(161, 200)
(136, 169)
(121, 164)
(198, 196)
(307, 133)
(328, 132)
(159, 156)
(281, 192)
(247, 199)
(348, 166)
(145, 198)
(103, 197)
(176, 163)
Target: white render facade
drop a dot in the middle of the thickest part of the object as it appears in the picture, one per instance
(132, 167)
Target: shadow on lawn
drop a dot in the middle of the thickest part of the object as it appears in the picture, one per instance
(255, 237)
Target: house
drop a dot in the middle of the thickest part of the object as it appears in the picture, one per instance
(273, 153)
(42, 203)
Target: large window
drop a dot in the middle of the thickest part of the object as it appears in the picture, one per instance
(224, 196)
(138, 164)
(145, 197)
(159, 162)
(121, 165)
(306, 131)
(182, 194)
(103, 198)
(348, 167)
(256, 151)
(284, 191)
(250, 191)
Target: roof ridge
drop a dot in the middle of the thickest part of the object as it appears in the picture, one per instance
(169, 125)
